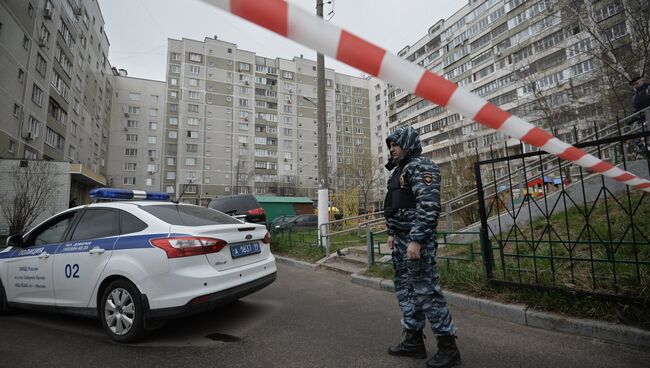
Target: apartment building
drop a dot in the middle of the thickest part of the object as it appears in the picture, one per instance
(136, 133)
(531, 58)
(237, 122)
(56, 90)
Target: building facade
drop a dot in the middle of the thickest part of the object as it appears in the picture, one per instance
(531, 58)
(136, 133)
(237, 122)
(55, 98)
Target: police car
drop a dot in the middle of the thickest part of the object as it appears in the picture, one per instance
(134, 263)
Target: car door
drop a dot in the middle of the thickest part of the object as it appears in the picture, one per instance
(80, 260)
(30, 267)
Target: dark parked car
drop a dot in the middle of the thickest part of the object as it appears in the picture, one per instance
(280, 220)
(242, 206)
(300, 222)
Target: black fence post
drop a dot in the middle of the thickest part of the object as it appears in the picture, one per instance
(486, 247)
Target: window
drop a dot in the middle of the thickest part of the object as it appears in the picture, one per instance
(129, 223)
(129, 166)
(152, 139)
(98, 223)
(192, 121)
(192, 148)
(194, 69)
(153, 112)
(12, 147)
(135, 110)
(54, 140)
(52, 231)
(131, 152)
(193, 95)
(173, 121)
(16, 110)
(172, 134)
(171, 175)
(193, 82)
(171, 161)
(195, 57)
(176, 56)
(192, 108)
(131, 137)
(192, 134)
(21, 75)
(37, 95)
(244, 67)
(190, 161)
(173, 81)
(134, 96)
(174, 68)
(153, 125)
(41, 65)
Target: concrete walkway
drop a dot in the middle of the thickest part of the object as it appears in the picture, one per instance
(519, 314)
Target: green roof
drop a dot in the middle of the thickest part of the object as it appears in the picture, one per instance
(274, 199)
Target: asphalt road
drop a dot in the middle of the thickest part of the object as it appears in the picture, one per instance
(304, 319)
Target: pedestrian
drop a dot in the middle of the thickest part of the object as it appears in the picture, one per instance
(411, 208)
(641, 101)
(641, 98)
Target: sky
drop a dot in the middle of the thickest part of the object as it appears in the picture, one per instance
(138, 29)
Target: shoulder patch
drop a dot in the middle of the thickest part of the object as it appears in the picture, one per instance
(401, 181)
(427, 178)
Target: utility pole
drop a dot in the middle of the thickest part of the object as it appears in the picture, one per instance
(323, 176)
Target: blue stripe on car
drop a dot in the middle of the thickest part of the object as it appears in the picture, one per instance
(123, 243)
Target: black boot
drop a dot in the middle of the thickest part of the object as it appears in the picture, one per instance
(447, 355)
(411, 346)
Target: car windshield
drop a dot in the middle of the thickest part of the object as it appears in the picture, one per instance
(185, 215)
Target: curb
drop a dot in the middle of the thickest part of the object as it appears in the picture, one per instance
(520, 314)
(298, 264)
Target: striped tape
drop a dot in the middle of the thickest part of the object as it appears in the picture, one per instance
(293, 22)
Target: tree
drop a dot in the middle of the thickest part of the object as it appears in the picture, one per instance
(363, 175)
(460, 173)
(34, 187)
(617, 34)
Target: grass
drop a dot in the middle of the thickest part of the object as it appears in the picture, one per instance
(303, 245)
(599, 251)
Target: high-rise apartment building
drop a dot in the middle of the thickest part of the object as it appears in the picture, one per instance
(236, 122)
(55, 96)
(531, 58)
(136, 133)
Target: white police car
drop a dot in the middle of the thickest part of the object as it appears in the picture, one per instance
(134, 263)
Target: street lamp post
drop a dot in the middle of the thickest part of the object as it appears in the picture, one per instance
(323, 176)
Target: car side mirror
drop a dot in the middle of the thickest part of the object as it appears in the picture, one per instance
(15, 241)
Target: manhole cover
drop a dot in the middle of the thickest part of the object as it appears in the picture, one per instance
(223, 337)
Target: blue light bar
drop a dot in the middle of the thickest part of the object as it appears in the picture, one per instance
(127, 194)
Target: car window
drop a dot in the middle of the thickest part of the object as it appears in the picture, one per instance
(96, 223)
(130, 224)
(51, 232)
(189, 215)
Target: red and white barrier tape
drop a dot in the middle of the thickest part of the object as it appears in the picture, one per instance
(293, 22)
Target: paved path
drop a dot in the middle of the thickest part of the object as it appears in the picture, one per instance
(305, 319)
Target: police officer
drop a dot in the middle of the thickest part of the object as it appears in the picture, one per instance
(411, 208)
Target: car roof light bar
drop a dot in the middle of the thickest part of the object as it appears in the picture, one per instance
(127, 194)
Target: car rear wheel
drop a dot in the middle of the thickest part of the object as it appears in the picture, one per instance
(122, 312)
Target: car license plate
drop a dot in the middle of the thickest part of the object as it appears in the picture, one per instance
(241, 250)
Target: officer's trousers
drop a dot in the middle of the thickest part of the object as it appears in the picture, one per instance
(417, 288)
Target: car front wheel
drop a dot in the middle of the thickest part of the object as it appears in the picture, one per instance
(4, 308)
(122, 313)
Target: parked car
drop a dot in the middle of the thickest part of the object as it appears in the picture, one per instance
(280, 220)
(133, 264)
(300, 222)
(243, 206)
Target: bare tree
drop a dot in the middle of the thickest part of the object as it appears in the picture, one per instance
(618, 33)
(460, 173)
(362, 175)
(34, 185)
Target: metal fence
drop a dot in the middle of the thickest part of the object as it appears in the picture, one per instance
(552, 224)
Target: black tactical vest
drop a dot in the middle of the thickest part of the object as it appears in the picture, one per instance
(399, 195)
